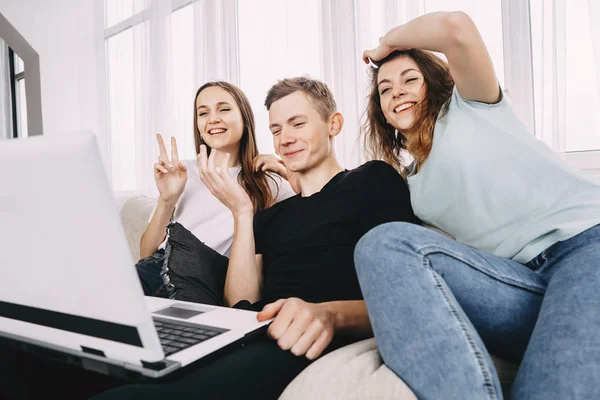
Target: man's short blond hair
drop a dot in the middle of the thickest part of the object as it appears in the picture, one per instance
(318, 94)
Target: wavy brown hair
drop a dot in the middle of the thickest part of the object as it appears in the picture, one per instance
(380, 138)
(254, 183)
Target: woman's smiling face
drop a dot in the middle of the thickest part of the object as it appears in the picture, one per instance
(218, 118)
(402, 91)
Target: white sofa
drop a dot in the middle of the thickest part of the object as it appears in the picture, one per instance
(355, 371)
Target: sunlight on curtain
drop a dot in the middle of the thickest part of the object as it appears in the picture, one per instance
(22, 99)
(158, 52)
(488, 18)
(277, 39)
(180, 68)
(566, 74)
(124, 72)
(116, 11)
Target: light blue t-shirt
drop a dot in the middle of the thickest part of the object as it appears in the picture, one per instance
(495, 187)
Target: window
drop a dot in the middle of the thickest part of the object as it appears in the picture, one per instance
(583, 102)
(125, 36)
(150, 74)
(566, 72)
(18, 98)
(159, 52)
(116, 11)
(124, 65)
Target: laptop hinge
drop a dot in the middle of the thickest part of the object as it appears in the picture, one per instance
(155, 366)
(95, 352)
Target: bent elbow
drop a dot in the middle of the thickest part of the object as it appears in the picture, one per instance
(460, 28)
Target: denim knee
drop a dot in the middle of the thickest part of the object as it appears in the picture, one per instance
(385, 238)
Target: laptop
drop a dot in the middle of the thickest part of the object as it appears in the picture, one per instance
(70, 289)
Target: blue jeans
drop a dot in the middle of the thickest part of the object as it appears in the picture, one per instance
(437, 307)
(148, 270)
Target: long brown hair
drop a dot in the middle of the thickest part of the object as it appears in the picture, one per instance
(380, 138)
(254, 183)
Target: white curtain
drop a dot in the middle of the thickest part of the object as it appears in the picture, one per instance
(594, 17)
(566, 65)
(158, 52)
(341, 66)
(347, 29)
(5, 99)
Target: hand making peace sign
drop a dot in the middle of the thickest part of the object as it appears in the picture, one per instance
(170, 175)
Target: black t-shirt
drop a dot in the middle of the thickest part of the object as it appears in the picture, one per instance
(307, 243)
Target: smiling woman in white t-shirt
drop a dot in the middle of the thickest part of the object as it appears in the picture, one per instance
(223, 122)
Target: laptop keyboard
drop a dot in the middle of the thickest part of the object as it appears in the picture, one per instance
(176, 336)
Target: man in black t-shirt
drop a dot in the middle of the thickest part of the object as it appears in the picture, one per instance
(294, 261)
(307, 242)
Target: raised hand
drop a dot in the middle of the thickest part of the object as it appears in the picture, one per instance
(306, 329)
(170, 175)
(222, 185)
(268, 162)
(378, 53)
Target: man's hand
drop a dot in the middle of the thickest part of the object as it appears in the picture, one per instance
(301, 327)
(222, 185)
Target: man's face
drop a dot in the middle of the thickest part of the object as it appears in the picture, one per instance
(300, 136)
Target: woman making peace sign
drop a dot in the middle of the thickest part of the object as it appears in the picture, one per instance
(224, 122)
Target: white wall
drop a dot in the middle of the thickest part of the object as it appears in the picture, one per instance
(63, 32)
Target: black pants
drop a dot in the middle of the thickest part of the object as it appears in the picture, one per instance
(26, 376)
(258, 370)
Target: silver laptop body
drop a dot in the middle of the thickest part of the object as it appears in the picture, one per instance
(70, 286)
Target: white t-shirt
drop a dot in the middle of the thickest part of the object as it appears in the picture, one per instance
(205, 216)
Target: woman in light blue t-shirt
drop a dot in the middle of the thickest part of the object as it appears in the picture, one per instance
(522, 278)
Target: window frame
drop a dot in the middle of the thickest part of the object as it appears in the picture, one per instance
(13, 93)
(31, 72)
(16, 79)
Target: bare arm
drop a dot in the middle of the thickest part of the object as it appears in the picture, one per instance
(244, 274)
(308, 328)
(455, 35)
(350, 317)
(156, 231)
(170, 176)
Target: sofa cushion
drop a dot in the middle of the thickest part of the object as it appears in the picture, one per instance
(135, 214)
(355, 371)
(352, 372)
